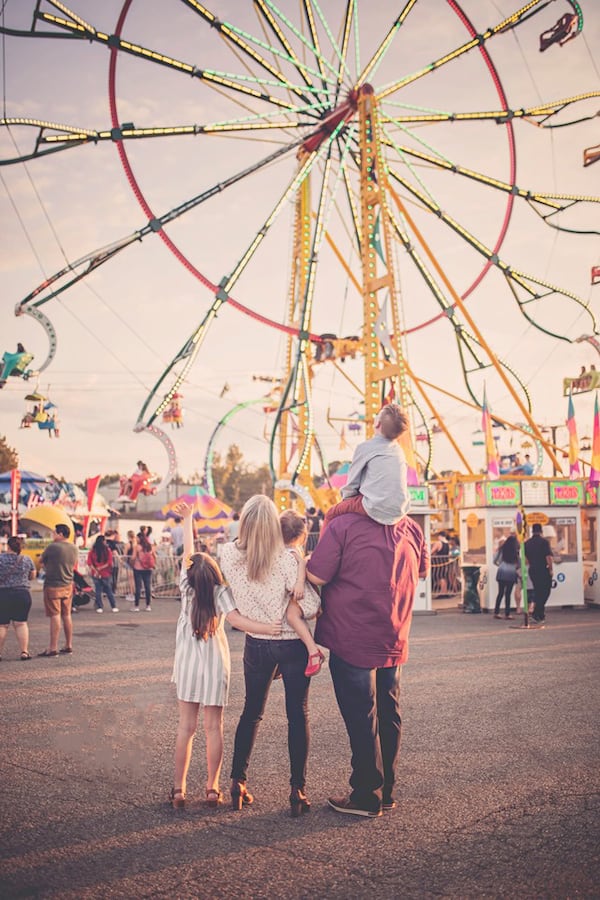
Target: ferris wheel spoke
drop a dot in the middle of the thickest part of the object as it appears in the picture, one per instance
(340, 52)
(301, 67)
(225, 80)
(229, 280)
(314, 47)
(477, 40)
(186, 355)
(551, 204)
(495, 260)
(370, 68)
(91, 261)
(350, 15)
(240, 39)
(499, 116)
(64, 137)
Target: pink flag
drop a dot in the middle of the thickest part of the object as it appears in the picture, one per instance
(491, 455)
(574, 471)
(15, 489)
(92, 486)
(595, 467)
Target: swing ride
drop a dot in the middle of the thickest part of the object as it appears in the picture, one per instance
(349, 130)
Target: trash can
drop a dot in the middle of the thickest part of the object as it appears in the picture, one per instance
(471, 602)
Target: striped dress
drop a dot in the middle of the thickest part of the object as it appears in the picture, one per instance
(201, 668)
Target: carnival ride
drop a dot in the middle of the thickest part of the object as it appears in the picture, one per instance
(366, 160)
(41, 411)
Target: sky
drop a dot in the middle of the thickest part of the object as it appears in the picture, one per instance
(118, 329)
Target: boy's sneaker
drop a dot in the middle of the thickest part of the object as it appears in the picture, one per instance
(115, 609)
(99, 609)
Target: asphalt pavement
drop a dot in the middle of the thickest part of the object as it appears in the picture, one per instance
(498, 781)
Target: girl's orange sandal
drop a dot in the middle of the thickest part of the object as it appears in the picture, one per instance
(177, 798)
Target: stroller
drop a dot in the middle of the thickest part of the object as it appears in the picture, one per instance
(82, 592)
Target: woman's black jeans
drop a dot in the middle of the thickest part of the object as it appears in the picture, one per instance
(143, 578)
(504, 590)
(261, 659)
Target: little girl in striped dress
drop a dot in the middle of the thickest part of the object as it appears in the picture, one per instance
(202, 667)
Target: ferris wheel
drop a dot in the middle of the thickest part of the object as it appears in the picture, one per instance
(352, 181)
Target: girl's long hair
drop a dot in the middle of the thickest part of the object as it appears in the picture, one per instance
(100, 549)
(260, 536)
(144, 542)
(203, 576)
(510, 550)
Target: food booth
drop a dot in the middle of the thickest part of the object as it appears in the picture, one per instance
(487, 511)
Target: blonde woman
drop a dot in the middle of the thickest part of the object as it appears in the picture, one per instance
(262, 574)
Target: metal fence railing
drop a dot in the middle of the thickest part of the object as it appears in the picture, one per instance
(446, 575)
(165, 577)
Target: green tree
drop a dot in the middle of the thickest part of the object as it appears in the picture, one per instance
(9, 458)
(235, 481)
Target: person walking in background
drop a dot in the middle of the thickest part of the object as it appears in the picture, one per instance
(16, 572)
(538, 554)
(377, 480)
(117, 548)
(369, 573)
(143, 563)
(177, 536)
(130, 546)
(261, 574)
(294, 531)
(233, 529)
(313, 526)
(100, 564)
(59, 560)
(507, 560)
(202, 668)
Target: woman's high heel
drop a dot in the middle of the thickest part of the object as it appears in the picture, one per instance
(177, 798)
(213, 798)
(240, 795)
(299, 803)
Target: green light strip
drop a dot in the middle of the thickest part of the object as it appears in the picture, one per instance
(320, 59)
(350, 16)
(333, 42)
(236, 35)
(314, 37)
(403, 156)
(230, 280)
(273, 24)
(380, 52)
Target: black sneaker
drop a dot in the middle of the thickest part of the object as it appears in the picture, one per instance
(345, 805)
(389, 803)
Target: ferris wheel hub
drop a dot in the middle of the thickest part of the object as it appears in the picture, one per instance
(343, 112)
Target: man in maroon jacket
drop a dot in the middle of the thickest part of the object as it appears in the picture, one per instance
(369, 574)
